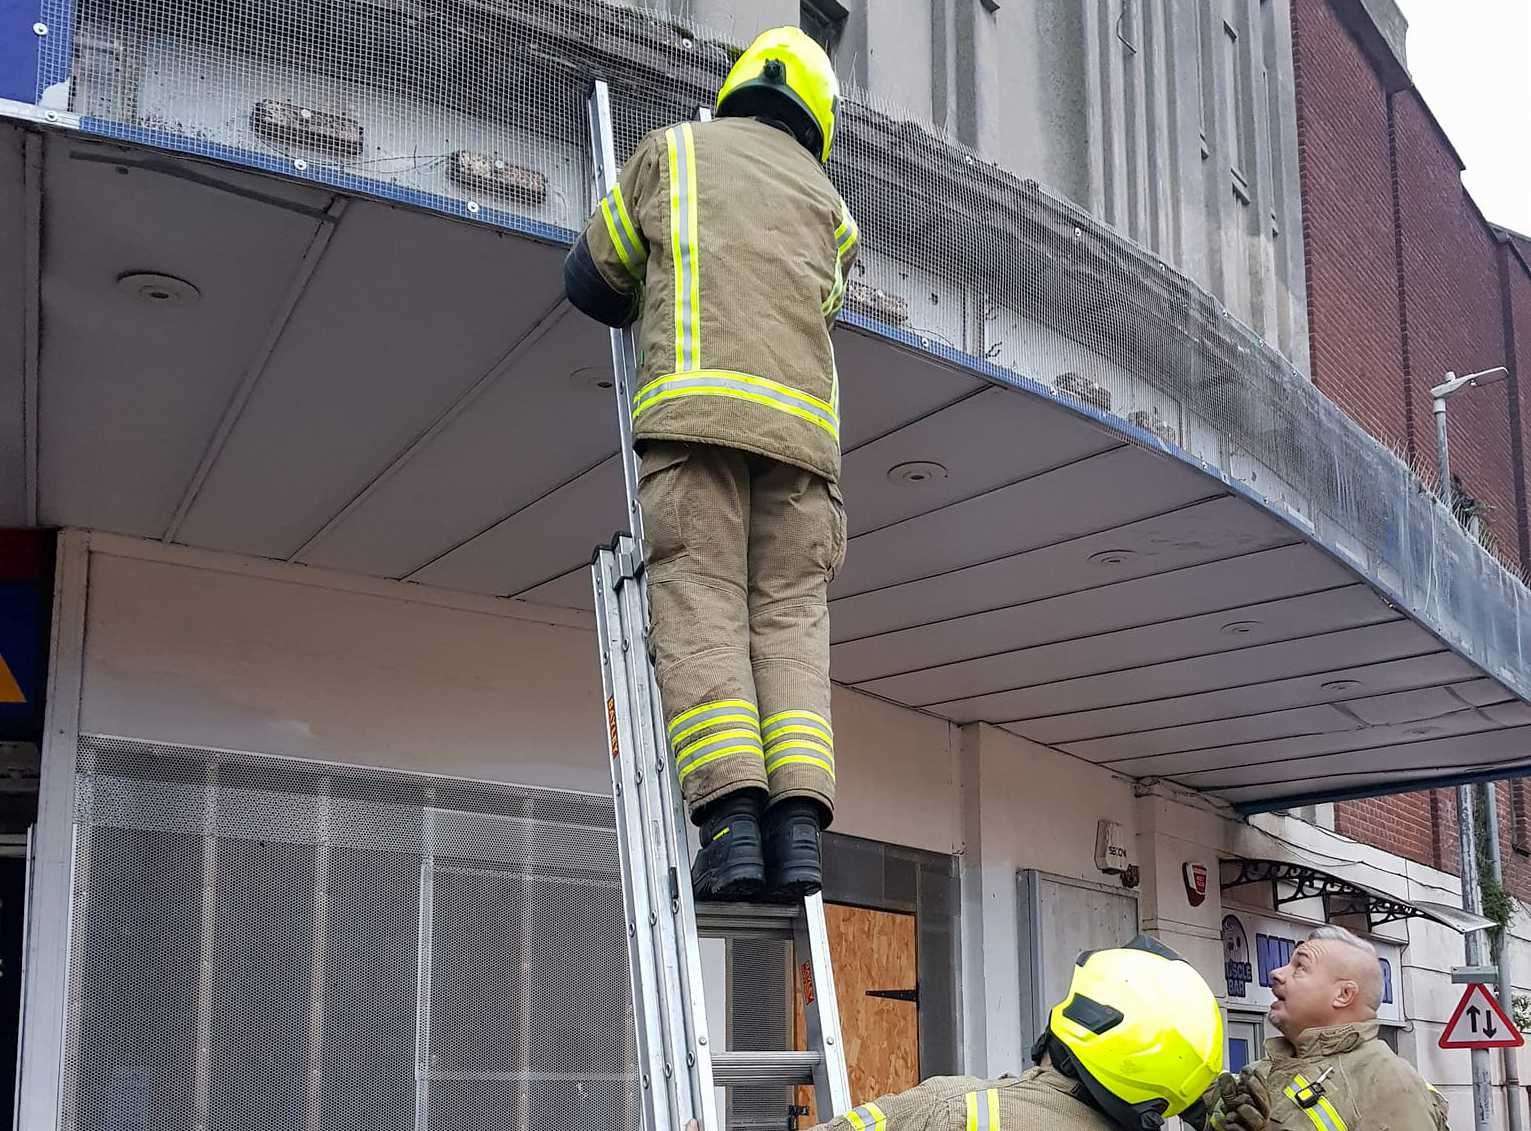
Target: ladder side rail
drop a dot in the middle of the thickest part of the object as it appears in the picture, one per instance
(624, 352)
(676, 956)
(685, 1018)
(669, 808)
(637, 888)
(821, 1009)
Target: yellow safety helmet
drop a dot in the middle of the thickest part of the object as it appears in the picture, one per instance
(785, 65)
(1140, 1030)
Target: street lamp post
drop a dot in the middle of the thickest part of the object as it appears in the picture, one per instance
(1455, 384)
(1467, 833)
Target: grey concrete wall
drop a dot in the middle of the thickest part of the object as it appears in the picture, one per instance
(1137, 110)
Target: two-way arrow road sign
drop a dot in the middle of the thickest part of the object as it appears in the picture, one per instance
(1480, 1023)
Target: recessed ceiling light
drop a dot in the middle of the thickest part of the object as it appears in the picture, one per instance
(158, 290)
(1113, 557)
(1342, 685)
(1240, 627)
(593, 377)
(917, 471)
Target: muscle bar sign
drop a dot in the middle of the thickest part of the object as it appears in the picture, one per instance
(1254, 945)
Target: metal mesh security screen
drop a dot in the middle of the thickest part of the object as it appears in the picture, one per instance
(475, 108)
(269, 945)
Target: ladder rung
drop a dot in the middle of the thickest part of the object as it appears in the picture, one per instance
(747, 920)
(741, 1069)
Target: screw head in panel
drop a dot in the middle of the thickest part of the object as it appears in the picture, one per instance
(39, 28)
(300, 165)
(702, 1040)
(473, 207)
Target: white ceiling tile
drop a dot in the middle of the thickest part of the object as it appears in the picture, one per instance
(882, 387)
(1150, 650)
(404, 314)
(1513, 714)
(1405, 706)
(1298, 691)
(1220, 528)
(1159, 600)
(1384, 764)
(541, 543)
(130, 392)
(1281, 725)
(542, 423)
(1481, 692)
(1121, 486)
(1249, 667)
(990, 439)
(1184, 766)
(574, 590)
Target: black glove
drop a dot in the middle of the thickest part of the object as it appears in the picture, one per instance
(1242, 1103)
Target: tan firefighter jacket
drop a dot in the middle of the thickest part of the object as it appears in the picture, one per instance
(1365, 1086)
(1039, 1100)
(739, 247)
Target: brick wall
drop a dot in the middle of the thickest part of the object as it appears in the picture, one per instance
(1515, 274)
(1515, 833)
(1405, 282)
(1455, 315)
(1423, 827)
(1354, 330)
(1402, 824)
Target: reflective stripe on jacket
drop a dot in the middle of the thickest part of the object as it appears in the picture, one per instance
(741, 249)
(1343, 1078)
(1039, 1100)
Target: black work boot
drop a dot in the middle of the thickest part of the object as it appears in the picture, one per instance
(730, 864)
(792, 829)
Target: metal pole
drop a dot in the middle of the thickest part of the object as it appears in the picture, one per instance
(1502, 961)
(1442, 458)
(1472, 902)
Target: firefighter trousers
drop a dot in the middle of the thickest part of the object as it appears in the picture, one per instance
(741, 549)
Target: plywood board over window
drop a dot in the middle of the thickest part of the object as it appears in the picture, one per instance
(876, 974)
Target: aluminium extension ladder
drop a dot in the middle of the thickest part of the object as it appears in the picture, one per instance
(679, 1068)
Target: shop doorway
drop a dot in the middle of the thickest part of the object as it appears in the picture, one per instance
(877, 984)
(1246, 1040)
(892, 914)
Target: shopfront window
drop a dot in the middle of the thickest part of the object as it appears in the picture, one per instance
(1246, 1040)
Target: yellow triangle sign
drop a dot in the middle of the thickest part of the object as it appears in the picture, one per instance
(10, 690)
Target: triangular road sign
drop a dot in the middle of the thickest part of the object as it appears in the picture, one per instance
(1479, 1023)
(10, 690)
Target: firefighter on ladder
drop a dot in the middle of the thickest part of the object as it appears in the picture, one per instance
(728, 242)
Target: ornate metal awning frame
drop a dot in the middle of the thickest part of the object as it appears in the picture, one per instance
(1291, 882)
